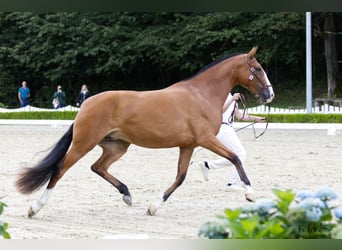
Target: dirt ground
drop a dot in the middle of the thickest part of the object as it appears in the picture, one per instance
(84, 206)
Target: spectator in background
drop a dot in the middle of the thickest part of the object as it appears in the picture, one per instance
(58, 98)
(24, 94)
(83, 95)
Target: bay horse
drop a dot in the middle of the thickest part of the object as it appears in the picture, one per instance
(186, 114)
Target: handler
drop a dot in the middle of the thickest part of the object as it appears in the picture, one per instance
(228, 137)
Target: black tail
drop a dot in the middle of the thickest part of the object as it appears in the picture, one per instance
(31, 179)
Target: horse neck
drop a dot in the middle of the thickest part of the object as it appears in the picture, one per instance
(217, 82)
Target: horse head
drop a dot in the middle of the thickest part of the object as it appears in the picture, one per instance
(254, 78)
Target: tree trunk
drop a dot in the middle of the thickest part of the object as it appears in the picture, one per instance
(331, 54)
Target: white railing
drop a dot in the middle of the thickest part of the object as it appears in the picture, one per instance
(324, 109)
(262, 109)
(32, 108)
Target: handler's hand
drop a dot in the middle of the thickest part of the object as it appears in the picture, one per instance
(260, 119)
(236, 96)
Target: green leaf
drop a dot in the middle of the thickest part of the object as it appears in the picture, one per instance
(250, 224)
(236, 231)
(6, 235)
(337, 232)
(285, 199)
(232, 214)
(287, 195)
(276, 229)
(2, 205)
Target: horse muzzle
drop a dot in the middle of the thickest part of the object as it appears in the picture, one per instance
(267, 94)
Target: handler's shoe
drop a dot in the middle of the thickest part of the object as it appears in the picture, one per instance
(205, 169)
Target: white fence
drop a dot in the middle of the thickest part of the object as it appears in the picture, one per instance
(262, 109)
(32, 108)
(324, 109)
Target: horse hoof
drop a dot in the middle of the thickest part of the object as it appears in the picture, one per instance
(30, 213)
(250, 197)
(127, 199)
(152, 210)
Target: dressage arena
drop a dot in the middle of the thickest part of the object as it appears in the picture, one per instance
(84, 206)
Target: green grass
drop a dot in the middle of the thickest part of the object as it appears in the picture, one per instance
(37, 115)
(282, 118)
(306, 118)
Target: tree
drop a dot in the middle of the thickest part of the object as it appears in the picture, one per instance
(325, 30)
(333, 74)
(140, 51)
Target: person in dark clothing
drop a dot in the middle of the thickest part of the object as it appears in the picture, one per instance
(83, 95)
(58, 98)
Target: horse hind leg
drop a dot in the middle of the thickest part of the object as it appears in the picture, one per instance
(67, 162)
(39, 204)
(112, 151)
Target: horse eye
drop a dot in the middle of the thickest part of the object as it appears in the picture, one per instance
(257, 69)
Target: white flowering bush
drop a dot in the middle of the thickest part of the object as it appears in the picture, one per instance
(3, 225)
(305, 215)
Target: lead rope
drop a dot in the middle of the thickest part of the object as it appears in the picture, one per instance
(267, 121)
(245, 112)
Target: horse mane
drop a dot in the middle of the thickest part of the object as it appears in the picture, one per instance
(213, 64)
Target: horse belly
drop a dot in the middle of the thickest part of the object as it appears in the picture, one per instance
(159, 135)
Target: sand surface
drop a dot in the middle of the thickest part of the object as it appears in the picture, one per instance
(84, 206)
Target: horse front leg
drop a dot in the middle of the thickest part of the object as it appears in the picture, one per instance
(183, 164)
(214, 145)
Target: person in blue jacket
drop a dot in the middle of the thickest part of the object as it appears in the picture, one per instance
(24, 94)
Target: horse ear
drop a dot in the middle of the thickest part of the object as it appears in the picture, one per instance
(252, 53)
